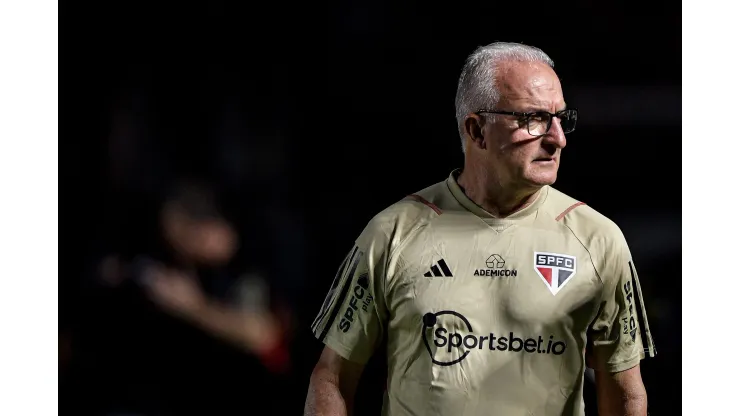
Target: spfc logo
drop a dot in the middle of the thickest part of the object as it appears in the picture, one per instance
(554, 269)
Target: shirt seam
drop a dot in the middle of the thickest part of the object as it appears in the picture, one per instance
(395, 251)
(590, 256)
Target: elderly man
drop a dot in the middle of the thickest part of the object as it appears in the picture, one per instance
(491, 291)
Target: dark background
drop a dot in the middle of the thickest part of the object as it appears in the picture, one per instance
(308, 119)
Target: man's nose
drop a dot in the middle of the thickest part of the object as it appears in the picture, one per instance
(555, 135)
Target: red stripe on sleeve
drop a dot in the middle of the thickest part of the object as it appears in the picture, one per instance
(570, 208)
(427, 203)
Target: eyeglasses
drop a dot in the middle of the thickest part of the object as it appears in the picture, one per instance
(539, 122)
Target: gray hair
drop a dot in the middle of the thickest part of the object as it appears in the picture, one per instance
(476, 88)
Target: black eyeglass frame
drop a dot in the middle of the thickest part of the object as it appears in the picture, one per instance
(528, 116)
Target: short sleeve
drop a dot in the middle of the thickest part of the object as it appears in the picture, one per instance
(620, 336)
(352, 318)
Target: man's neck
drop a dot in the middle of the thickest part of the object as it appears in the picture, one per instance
(493, 196)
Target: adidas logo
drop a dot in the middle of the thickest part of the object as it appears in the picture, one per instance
(435, 271)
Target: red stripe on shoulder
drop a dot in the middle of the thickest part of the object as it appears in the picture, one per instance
(570, 208)
(427, 203)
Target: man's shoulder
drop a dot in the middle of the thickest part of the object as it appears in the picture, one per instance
(410, 213)
(582, 219)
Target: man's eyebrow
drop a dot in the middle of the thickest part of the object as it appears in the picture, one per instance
(535, 109)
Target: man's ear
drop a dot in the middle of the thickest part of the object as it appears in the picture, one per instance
(473, 128)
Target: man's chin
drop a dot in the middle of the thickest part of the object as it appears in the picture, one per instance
(541, 179)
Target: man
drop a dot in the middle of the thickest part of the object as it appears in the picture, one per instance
(185, 313)
(490, 291)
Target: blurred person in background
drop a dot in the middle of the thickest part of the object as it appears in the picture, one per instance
(491, 291)
(179, 316)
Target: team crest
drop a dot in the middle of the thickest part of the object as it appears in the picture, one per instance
(554, 269)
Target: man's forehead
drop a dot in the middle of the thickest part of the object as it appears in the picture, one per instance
(525, 76)
(532, 84)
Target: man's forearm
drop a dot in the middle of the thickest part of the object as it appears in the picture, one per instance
(325, 398)
(256, 333)
(636, 406)
(628, 406)
(621, 394)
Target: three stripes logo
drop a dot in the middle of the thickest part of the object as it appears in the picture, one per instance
(438, 270)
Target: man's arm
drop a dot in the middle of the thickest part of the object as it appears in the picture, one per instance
(621, 393)
(258, 332)
(352, 318)
(619, 337)
(331, 391)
